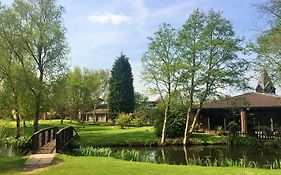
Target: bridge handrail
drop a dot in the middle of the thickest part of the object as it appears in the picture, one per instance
(64, 136)
(33, 145)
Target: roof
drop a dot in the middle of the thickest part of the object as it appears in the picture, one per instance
(248, 100)
(100, 111)
(265, 84)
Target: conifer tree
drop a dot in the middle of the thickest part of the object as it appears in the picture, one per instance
(121, 89)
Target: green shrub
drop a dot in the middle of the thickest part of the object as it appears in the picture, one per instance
(138, 121)
(123, 120)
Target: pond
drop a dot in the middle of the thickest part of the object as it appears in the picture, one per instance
(179, 154)
(8, 151)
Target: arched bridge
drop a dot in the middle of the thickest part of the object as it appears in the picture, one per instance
(50, 140)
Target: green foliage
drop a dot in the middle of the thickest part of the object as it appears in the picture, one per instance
(7, 135)
(242, 141)
(121, 91)
(139, 118)
(124, 120)
(129, 155)
(269, 42)
(233, 128)
(208, 49)
(33, 33)
(175, 121)
(80, 90)
(134, 155)
(161, 67)
(274, 143)
(141, 101)
(90, 151)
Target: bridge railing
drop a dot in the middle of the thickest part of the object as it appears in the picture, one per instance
(64, 137)
(39, 139)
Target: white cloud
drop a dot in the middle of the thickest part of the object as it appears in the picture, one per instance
(106, 18)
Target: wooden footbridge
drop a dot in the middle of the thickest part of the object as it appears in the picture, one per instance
(50, 140)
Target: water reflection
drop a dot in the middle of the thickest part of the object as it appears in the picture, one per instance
(179, 155)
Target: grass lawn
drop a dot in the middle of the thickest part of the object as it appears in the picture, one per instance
(11, 165)
(108, 166)
(92, 135)
(95, 135)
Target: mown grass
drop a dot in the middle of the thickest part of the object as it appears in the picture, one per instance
(90, 135)
(102, 136)
(11, 165)
(110, 166)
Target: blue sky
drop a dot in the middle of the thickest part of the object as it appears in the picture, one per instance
(98, 31)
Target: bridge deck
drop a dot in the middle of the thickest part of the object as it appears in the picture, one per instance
(48, 148)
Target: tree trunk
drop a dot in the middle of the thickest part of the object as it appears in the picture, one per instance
(18, 124)
(186, 127)
(24, 123)
(61, 119)
(163, 137)
(167, 110)
(38, 100)
(37, 114)
(185, 154)
(194, 120)
(16, 107)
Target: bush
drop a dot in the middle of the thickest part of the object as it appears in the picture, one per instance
(175, 123)
(124, 120)
(233, 128)
(139, 118)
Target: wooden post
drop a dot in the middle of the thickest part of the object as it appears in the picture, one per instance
(271, 125)
(244, 124)
(209, 124)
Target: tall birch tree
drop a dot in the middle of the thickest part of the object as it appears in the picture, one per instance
(209, 55)
(160, 68)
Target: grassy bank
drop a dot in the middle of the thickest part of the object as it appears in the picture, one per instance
(101, 166)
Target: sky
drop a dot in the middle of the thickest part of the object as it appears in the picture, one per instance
(99, 30)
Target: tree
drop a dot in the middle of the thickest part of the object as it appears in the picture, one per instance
(160, 64)
(208, 51)
(12, 85)
(35, 33)
(269, 42)
(141, 101)
(121, 89)
(59, 98)
(81, 91)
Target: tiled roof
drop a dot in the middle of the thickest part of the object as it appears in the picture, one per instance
(248, 100)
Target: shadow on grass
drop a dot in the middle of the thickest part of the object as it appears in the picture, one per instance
(11, 164)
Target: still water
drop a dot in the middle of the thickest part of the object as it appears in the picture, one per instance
(8, 151)
(179, 154)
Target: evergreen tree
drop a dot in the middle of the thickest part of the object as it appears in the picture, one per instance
(121, 90)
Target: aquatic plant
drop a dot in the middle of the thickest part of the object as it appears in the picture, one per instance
(90, 151)
(135, 155)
